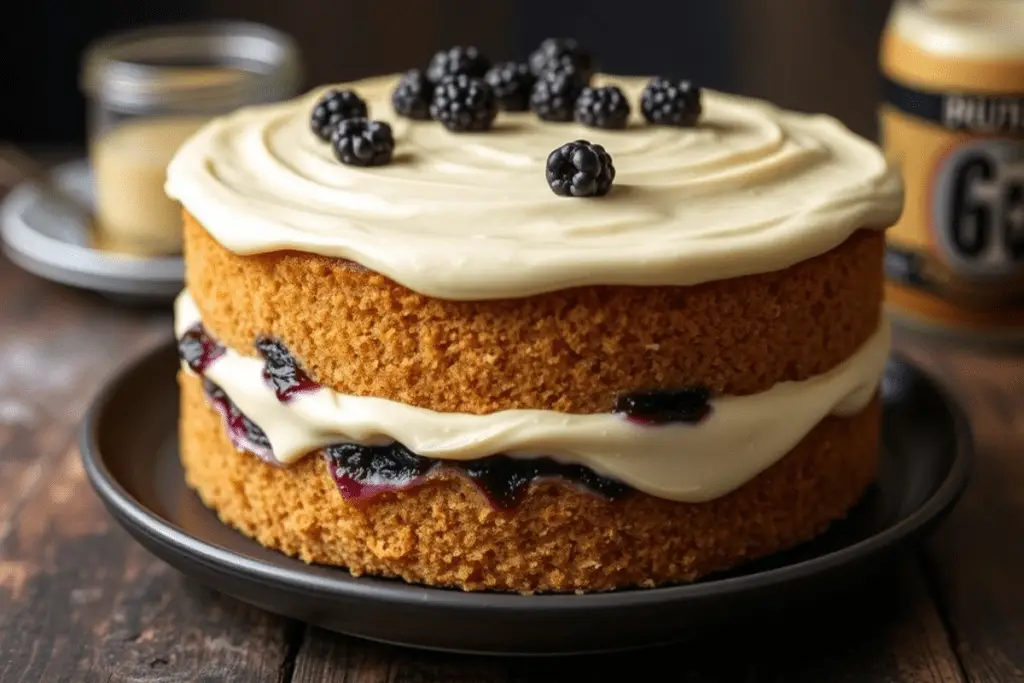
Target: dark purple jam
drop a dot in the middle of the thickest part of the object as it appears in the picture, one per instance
(242, 431)
(362, 472)
(198, 349)
(504, 480)
(281, 371)
(663, 406)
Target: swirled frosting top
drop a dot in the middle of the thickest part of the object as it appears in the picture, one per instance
(751, 189)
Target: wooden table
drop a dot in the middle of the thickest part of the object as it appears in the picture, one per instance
(80, 601)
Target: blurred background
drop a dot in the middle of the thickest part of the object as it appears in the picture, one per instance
(766, 48)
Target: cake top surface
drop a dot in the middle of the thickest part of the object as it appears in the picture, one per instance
(469, 215)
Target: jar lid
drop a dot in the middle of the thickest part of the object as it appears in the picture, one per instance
(208, 65)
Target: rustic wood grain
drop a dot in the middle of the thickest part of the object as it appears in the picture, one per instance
(86, 603)
(890, 632)
(326, 657)
(56, 346)
(977, 562)
(79, 600)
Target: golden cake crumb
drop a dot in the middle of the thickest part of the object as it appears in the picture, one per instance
(573, 351)
(560, 539)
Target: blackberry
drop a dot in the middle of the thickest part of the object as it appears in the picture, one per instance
(580, 169)
(671, 103)
(689, 404)
(562, 54)
(602, 108)
(457, 60)
(554, 95)
(462, 103)
(411, 97)
(334, 107)
(361, 142)
(511, 83)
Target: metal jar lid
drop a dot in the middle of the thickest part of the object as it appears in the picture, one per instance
(208, 66)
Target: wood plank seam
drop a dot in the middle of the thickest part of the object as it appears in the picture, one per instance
(933, 587)
(295, 636)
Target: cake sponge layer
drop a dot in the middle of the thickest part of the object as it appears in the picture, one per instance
(360, 333)
(559, 539)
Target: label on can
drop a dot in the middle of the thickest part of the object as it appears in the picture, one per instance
(957, 253)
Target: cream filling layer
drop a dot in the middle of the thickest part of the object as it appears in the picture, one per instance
(742, 436)
(751, 189)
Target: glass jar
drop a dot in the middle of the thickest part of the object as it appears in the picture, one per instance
(953, 121)
(148, 91)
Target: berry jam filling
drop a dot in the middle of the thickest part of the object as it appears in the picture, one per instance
(242, 431)
(198, 349)
(281, 371)
(504, 480)
(689, 404)
(362, 472)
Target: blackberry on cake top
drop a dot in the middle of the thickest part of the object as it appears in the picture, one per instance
(605, 107)
(333, 107)
(553, 97)
(466, 60)
(360, 142)
(462, 103)
(411, 97)
(512, 83)
(562, 54)
(671, 103)
(580, 169)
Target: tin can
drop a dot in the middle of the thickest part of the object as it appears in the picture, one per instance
(953, 121)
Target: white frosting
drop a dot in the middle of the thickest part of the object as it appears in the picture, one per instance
(742, 436)
(977, 29)
(466, 216)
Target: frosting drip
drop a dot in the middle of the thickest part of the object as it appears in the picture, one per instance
(469, 216)
(740, 437)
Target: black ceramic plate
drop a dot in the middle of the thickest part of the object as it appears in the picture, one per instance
(129, 447)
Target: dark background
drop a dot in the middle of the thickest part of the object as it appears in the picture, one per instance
(807, 54)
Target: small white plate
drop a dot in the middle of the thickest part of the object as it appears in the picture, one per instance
(44, 239)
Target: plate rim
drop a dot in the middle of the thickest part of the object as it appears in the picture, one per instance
(73, 264)
(132, 513)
